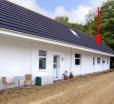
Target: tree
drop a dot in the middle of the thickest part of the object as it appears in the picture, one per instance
(91, 23)
(65, 20)
(62, 19)
(107, 23)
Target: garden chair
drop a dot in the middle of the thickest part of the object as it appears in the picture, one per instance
(7, 83)
(28, 79)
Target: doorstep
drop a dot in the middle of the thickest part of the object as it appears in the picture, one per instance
(58, 80)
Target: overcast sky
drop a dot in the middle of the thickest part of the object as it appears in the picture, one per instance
(76, 10)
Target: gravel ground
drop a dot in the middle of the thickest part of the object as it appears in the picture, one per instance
(91, 89)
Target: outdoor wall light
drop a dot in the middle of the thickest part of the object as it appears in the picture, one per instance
(62, 59)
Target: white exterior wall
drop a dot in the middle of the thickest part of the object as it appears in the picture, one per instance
(15, 57)
(87, 63)
(51, 51)
(19, 57)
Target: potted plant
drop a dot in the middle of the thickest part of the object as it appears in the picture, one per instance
(71, 75)
(65, 75)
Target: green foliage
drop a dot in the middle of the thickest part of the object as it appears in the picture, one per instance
(62, 19)
(107, 23)
(65, 21)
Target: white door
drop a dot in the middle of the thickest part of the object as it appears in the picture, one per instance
(56, 67)
(103, 64)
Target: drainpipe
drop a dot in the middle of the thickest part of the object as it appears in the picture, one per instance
(70, 59)
(31, 59)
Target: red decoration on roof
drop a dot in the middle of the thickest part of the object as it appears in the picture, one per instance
(98, 36)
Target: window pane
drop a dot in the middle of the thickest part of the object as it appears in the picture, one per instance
(55, 59)
(103, 61)
(77, 55)
(93, 61)
(42, 63)
(107, 61)
(98, 60)
(55, 62)
(54, 65)
(77, 61)
(42, 53)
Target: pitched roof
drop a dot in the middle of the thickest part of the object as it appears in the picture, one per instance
(20, 19)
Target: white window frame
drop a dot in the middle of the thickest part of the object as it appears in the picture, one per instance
(77, 58)
(42, 57)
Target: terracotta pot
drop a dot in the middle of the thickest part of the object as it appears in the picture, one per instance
(65, 77)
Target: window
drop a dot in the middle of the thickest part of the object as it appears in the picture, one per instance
(103, 61)
(93, 61)
(42, 59)
(74, 32)
(77, 59)
(98, 60)
(55, 62)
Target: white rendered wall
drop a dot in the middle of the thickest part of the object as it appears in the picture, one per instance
(51, 51)
(15, 57)
(19, 57)
(87, 63)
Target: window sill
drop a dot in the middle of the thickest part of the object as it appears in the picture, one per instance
(42, 70)
(78, 65)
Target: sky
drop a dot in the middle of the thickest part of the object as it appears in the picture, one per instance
(76, 10)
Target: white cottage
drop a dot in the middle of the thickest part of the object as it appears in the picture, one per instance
(35, 44)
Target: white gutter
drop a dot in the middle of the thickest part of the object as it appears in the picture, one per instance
(40, 39)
